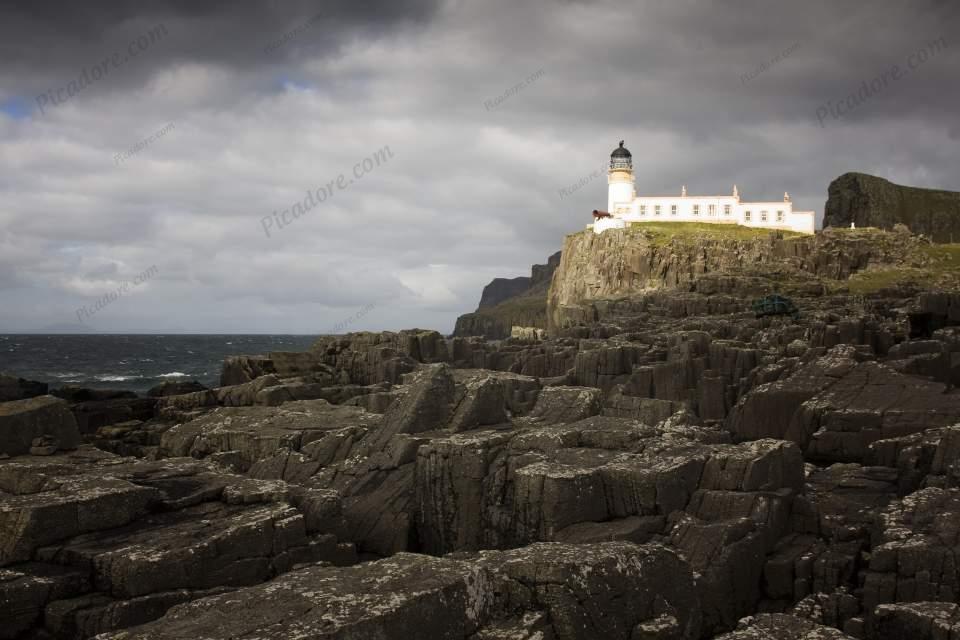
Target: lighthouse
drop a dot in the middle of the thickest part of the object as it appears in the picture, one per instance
(621, 188)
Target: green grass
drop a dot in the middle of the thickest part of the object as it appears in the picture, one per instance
(941, 269)
(873, 280)
(944, 256)
(663, 232)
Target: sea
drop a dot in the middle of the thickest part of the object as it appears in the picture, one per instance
(132, 362)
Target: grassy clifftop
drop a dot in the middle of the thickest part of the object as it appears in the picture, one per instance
(662, 233)
(933, 267)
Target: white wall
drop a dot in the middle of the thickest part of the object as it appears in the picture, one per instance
(622, 203)
(698, 209)
(602, 224)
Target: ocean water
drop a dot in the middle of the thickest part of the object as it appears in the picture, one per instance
(134, 362)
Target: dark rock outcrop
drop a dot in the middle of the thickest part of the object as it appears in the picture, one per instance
(42, 417)
(91, 542)
(870, 201)
(509, 302)
(562, 592)
(781, 627)
(74, 394)
(917, 621)
(836, 407)
(173, 388)
(16, 388)
(501, 289)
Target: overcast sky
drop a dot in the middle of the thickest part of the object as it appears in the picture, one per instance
(248, 106)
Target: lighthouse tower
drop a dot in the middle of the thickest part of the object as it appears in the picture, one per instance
(620, 179)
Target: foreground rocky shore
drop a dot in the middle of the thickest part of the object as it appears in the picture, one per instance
(664, 466)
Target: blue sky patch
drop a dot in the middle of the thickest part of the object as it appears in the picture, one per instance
(16, 108)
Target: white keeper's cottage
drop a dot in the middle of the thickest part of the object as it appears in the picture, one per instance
(625, 207)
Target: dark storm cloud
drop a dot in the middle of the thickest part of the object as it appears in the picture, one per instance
(269, 101)
(46, 43)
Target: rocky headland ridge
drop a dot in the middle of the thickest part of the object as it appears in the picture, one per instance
(871, 201)
(662, 465)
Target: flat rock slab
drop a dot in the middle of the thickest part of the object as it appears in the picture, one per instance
(567, 404)
(259, 432)
(779, 626)
(92, 542)
(917, 621)
(566, 591)
(23, 420)
(203, 546)
(43, 500)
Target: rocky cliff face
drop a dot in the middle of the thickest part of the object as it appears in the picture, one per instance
(691, 258)
(510, 302)
(501, 289)
(870, 201)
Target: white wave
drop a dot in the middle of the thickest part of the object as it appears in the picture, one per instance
(113, 378)
(175, 374)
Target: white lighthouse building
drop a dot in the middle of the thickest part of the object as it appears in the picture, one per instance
(626, 208)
